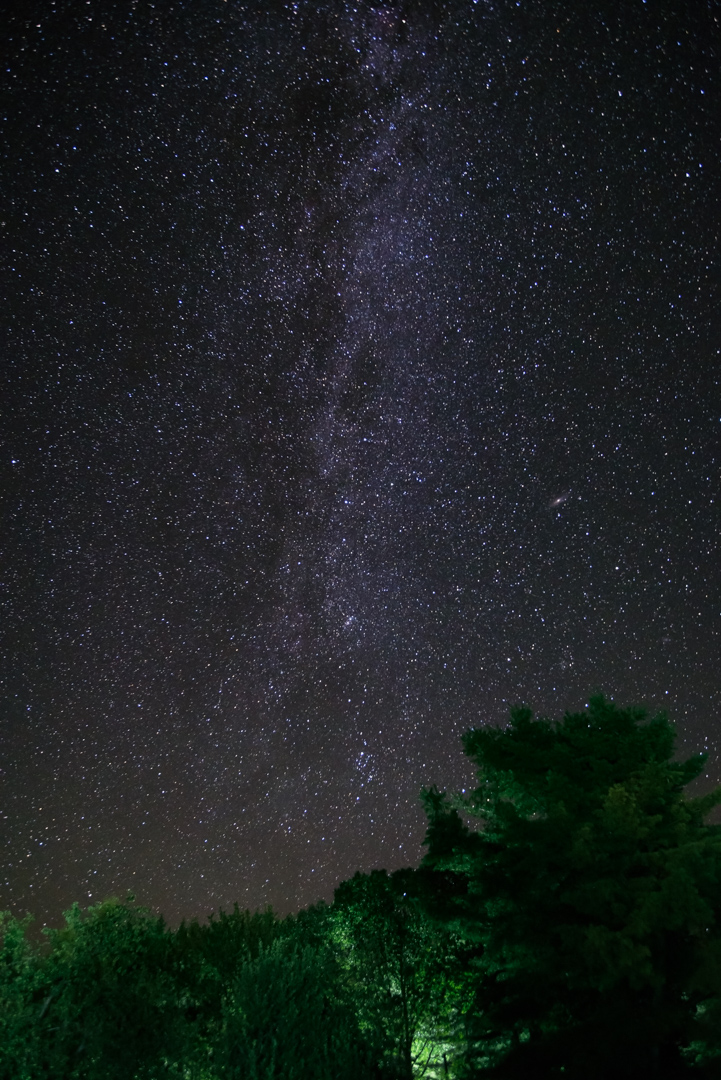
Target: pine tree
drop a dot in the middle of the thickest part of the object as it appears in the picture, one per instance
(591, 892)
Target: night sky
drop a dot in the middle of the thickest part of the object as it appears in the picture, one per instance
(360, 378)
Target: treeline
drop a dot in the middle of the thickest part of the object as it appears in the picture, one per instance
(572, 930)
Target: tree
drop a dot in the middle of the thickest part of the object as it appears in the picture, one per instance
(285, 1017)
(23, 1000)
(207, 958)
(400, 968)
(591, 892)
(110, 1010)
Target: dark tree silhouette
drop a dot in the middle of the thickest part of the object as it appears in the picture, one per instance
(591, 892)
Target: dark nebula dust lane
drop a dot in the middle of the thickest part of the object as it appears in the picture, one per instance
(360, 378)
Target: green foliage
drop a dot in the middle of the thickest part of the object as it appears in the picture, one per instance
(574, 930)
(111, 1010)
(23, 1001)
(400, 967)
(285, 1018)
(98, 1001)
(207, 959)
(591, 890)
(208, 956)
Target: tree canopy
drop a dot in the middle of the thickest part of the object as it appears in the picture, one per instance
(590, 887)
(565, 922)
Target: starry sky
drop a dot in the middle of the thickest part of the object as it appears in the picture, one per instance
(360, 378)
